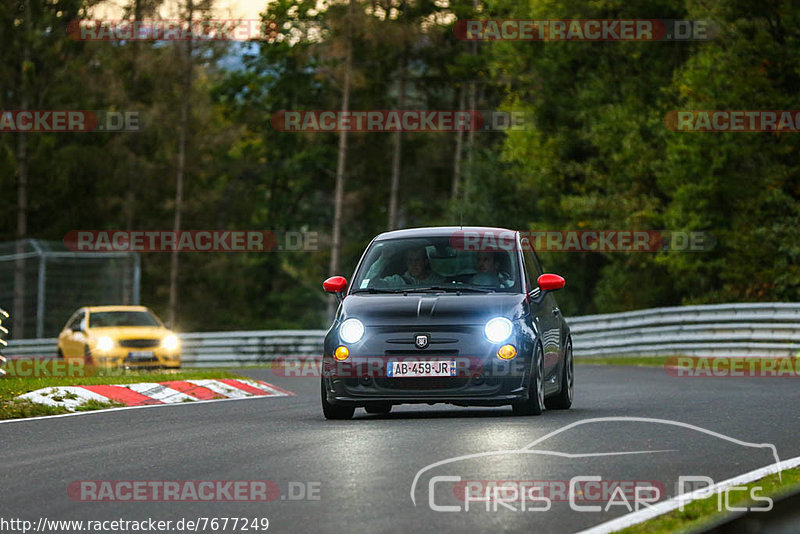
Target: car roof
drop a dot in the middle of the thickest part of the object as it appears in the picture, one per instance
(92, 309)
(437, 231)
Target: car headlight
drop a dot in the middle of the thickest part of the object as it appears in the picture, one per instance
(498, 329)
(351, 331)
(170, 342)
(105, 343)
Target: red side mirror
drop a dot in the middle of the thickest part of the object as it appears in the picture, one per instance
(550, 282)
(335, 284)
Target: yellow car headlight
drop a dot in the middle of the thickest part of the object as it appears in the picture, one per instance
(105, 343)
(170, 342)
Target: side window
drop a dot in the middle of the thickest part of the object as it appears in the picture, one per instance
(76, 321)
(532, 266)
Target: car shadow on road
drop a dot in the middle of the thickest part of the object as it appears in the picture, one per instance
(472, 413)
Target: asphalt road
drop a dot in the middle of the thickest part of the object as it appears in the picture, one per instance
(360, 472)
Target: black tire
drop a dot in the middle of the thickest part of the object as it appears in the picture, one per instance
(563, 400)
(332, 411)
(378, 408)
(535, 403)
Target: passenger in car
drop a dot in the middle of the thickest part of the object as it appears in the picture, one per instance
(488, 265)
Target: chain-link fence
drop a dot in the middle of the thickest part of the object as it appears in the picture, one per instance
(42, 283)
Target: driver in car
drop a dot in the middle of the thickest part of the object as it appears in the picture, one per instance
(418, 273)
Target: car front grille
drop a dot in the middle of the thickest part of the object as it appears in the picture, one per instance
(135, 358)
(139, 343)
(419, 353)
(422, 383)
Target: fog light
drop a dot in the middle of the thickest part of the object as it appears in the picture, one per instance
(507, 352)
(341, 353)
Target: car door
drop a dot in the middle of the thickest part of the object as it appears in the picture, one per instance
(547, 312)
(75, 337)
(64, 336)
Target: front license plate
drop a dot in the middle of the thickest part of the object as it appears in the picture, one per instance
(417, 369)
(142, 355)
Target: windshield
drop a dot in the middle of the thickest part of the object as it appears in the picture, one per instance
(433, 263)
(122, 318)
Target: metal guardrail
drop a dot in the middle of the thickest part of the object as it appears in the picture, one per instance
(751, 329)
(760, 329)
(249, 348)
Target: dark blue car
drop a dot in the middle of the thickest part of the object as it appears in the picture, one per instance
(454, 315)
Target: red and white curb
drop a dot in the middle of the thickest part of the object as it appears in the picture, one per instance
(144, 393)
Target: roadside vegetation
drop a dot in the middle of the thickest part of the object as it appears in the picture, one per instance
(704, 512)
(595, 153)
(638, 361)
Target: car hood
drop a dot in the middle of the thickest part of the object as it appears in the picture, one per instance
(432, 308)
(131, 332)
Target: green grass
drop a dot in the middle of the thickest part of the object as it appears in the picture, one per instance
(92, 404)
(13, 386)
(701, 513)
(637, 361)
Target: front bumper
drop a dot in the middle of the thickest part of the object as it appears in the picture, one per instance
(478, 382)
(137, 358)
(469, 394)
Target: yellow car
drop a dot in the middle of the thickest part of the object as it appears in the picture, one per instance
(108, 336)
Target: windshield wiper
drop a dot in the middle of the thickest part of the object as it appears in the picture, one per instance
(457, 289)
(376, 290)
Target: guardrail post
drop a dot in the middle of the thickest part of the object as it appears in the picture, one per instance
(3, 342)
(41, 295)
